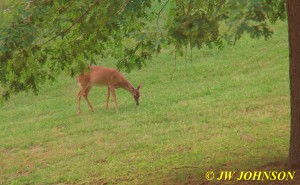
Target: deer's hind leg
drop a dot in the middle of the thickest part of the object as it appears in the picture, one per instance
(85, 95)
(79, 97)
(82, 92)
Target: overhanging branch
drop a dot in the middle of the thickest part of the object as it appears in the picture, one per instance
(76, 21)
(160, 13)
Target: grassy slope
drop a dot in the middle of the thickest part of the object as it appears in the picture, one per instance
(226, 110)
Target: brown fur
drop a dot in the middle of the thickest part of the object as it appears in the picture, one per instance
(103, 76)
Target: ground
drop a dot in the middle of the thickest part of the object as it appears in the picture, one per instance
(224, 110)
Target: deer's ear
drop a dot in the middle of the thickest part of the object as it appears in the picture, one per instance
(139, 86)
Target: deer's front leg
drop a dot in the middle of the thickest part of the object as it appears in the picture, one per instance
(113, 92)
(107, 101)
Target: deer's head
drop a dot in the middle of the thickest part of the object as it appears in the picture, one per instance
(137, 94)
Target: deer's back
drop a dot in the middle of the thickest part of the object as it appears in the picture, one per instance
(98, 76)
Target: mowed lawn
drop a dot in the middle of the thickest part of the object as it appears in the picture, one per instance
(224, 110)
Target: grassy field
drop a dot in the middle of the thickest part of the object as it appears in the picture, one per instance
(226, 110)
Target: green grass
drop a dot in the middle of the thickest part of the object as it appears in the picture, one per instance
(226, 110)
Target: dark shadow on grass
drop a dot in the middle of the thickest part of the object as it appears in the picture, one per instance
(191, 175)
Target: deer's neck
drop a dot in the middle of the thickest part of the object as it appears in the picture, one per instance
(128, 86)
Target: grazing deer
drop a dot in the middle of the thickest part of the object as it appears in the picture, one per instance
(103, 76)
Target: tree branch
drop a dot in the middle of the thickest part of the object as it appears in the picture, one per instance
(160, 13)
(123, 7)
(76, 21)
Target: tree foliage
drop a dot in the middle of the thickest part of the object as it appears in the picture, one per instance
(41, 38)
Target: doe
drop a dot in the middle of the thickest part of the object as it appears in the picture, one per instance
(103, 76)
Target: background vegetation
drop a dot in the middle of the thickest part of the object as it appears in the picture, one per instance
(227, 109)
(41, 39)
